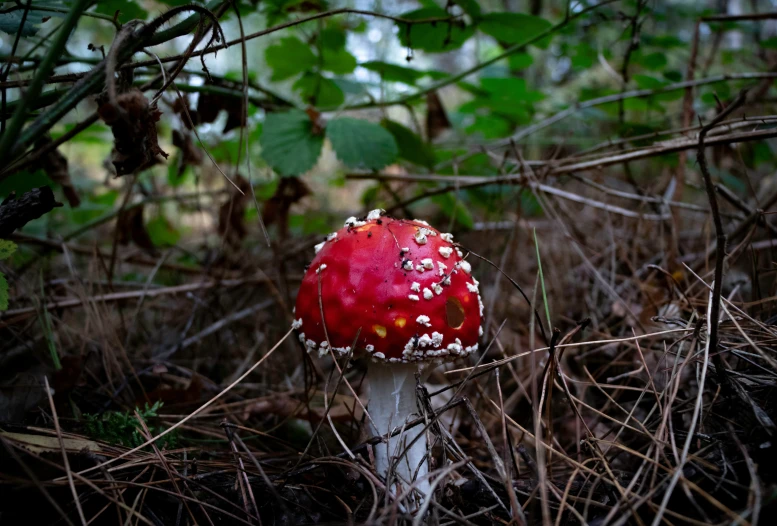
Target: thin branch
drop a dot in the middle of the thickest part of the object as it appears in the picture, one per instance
(720, 234)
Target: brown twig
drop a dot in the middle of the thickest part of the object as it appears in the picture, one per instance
(720, 234)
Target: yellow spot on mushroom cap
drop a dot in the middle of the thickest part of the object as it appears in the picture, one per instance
(380, 330)
(400, 322)
(365, 228)
(454, 313)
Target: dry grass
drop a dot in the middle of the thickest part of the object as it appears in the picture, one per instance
(624, 417)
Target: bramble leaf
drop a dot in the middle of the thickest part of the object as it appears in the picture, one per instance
(11, 22)
(514, 28)
(393, 72)
(288, 58)
(437, 36)
(288, 143)
(128, 10)
(411, 146)
(318, 90)
(361, 144)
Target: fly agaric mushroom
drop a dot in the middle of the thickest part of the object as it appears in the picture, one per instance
(409, 290)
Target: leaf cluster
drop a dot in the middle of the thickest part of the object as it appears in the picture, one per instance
(123, 428)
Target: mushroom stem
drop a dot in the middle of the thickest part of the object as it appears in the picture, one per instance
(393, 402)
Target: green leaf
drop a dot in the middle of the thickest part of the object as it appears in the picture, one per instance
(652, 61)
(519, 61)
(433, 36)
(370, 196)
(673, 75)
(663, 41)
(510, 88)
(351, 87)
(288, 143)
(769, 43)
(411, 146)
(393, 72)
(94, 134)
(309, 223)
(505, 96)
(490, 126)
(648, 82)
(24, 181)
(128, 10)
(514, 28)
(11, 22)
(288, 58)
(3, 293)
(162, 232)
(278, 10)
(583, 56)
(454, 208)
(320, 91)
(339, 61)
(332, 38)
(760, 152)
(361, 144)
(7, 248)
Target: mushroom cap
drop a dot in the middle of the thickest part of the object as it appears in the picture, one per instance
(402, 282)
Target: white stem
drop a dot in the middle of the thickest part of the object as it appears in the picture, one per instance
(392, 404)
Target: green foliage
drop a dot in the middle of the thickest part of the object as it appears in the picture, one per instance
(514, 28)
(410, 146)
(338, 61)
(318, 90)
(655, 61)
(436, 36)
(289, 144)
(520, 61)
(128, 10)
(394, 73)
(361, 144)
(334, 56)
(123, 428)
(7, 248)
(279, 10)
(11, 23)
(24, 181)
(162, 232)
(490, 126)
(499, 105)
(310, 223)
(289, 58)
(452, 207)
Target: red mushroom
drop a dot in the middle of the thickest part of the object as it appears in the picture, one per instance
(408, 289)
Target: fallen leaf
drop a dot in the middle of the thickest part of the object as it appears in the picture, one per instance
(436, 118)
(131, 227)
(47, 444)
